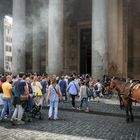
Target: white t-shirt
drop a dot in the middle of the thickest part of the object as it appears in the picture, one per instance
(99, 86)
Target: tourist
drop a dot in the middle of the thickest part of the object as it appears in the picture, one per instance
(73, 90)
(7, 97)
(54, 93)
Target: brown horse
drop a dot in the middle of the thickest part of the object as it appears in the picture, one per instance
(127, 95)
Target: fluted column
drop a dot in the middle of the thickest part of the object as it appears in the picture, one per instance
(18, 36)
(36, 50)
(36, 37)
(99, 38)
(55, 37)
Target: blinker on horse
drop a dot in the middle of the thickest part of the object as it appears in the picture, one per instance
(127, 95)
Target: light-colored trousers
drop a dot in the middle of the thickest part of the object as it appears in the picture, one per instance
(18, 113)
(53, 106)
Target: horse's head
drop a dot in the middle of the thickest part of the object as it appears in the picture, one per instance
(112, 84)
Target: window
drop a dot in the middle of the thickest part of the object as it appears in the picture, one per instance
(10, 49)
(6, 58)
(10, 58)
(7, 48)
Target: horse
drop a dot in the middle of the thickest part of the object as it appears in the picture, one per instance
(127, 94)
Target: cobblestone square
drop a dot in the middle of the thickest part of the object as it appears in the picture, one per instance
(72, 126)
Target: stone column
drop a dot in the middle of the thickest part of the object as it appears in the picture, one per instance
(18, 36)
(113, 40)
(36, 38)
(44, 19)
(55, 37)
(40, 30)
(99, 38)
(36, 49)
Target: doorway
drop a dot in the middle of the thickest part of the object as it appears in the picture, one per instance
(85, 51)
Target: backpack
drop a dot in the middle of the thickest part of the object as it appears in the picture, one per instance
(89, 92)
(96, 87)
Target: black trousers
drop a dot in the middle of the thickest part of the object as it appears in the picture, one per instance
(73, 100)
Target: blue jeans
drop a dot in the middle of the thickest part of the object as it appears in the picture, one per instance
(7, 107)
(53, 105)
(1, 107)
(84, 100)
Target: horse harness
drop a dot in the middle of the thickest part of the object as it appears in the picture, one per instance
(133, 84)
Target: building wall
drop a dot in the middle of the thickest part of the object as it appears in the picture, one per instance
(76, 17)
(123, 35)
(133, 35)
(115, 38)
(8, 44)
(5, 9)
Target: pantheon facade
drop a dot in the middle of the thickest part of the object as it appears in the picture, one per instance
(83, 36)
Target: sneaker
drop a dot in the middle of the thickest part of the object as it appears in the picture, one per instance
(5, 117)
(56, 119)
(78, 108)
(13, 119)
(87, 110)
(49, 118)
(73, 108)
(20, 122)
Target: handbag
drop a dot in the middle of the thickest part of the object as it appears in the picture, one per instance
(57, 92)
(23, 97)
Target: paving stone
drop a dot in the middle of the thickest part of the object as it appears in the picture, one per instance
(75, 125)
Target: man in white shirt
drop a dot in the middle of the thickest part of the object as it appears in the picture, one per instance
(98, 89)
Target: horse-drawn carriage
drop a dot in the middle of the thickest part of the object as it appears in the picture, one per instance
(128, 93)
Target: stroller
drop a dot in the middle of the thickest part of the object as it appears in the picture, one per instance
(36, 107)
(32, 109)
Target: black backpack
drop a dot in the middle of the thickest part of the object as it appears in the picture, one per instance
(96, 87)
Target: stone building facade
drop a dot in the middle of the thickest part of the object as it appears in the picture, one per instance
(5, 9)
(83, 36)
(8, 23)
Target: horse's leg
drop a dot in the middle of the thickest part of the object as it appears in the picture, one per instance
(130, 109)
(127, 114)
(121, 102)
(126, 104)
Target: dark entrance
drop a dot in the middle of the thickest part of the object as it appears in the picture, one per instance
(85, 51)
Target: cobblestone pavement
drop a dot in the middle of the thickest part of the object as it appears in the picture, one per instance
(104, 121)
(108, 107)
(72, 126)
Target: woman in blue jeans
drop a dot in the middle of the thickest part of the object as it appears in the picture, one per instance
(83, 96)
(7, 98)
(54, 93)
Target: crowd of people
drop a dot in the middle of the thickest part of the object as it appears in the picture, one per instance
(19, 93)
